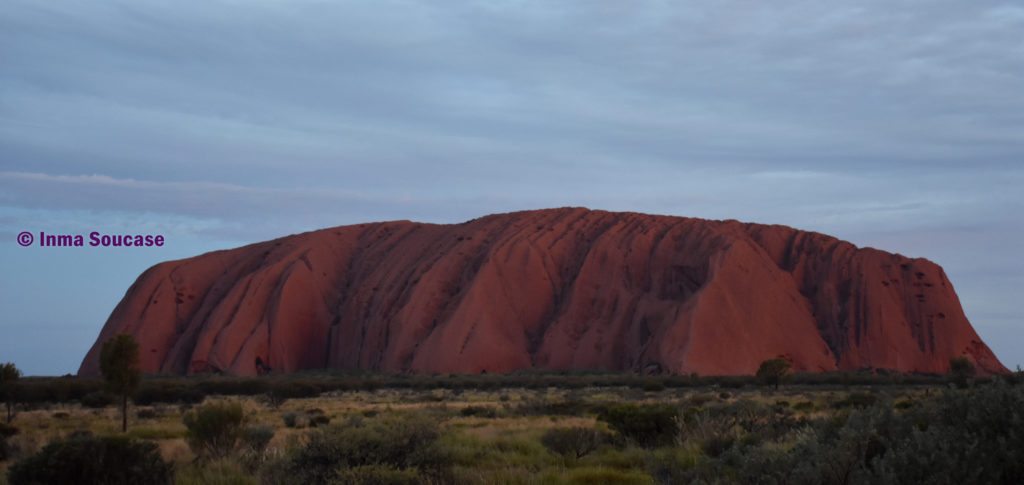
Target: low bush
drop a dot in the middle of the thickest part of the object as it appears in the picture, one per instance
(961, 371)
(647, 425)
(159, 391)
(699, 400)
(220, 472)
(904, 404)
(254, 443)
(378, 475)
(574, 442)
(547, 407)
(97, 399)
(316, 417)
(147, 413)
(112, 460)
(256, 438)
(274, 399)
(974, 436)
(294, 420)
(857, 400)
(403, 443)
(311, 418)
(6, 450)
(606, 476)
(653, 385)
(478, 411)
(803, 406)
(156, 432)
(672, 465)
(215, 429)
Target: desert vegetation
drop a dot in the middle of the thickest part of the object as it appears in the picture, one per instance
(527, 428)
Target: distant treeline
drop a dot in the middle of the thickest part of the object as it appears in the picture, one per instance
(159, 389)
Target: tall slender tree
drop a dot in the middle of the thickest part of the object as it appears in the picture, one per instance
(9, 375)
(119, 364)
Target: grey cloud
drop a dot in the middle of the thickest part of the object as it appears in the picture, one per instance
(331, 86)
(889, 123)
(196, 199)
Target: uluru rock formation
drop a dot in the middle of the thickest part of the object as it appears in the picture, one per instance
(549, 289)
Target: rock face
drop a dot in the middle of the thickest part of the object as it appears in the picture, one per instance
(551, 289)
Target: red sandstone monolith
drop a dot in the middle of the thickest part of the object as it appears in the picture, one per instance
(559, 289)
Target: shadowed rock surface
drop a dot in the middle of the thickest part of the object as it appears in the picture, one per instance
(551, 289)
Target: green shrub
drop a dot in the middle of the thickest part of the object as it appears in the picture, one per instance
(573, 442)
(545, 407)
(311, 418)
(274, 399)
(166, 392)
(672, 465)
(803, 406)
(904, 404)
(699, 400)
(1015, 378)
(857, 400)
(5, 450)
(220, 472)
(961, 371)
(397, 442)
(257, 438)
(113, 460)
(316, 417)
(718, 428)
(6, 431)
(646, 425)
(653, 385)
(254, 442)
(155, 433)
(214, 429)
(294, 420)
(297, 390)
(714, 446)
(377, 475)
(97, 400)
(607, 476)
(147, 413)
(478, 411)
(974, 436)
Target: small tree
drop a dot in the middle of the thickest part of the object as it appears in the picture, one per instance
(961, 370)
(574, 442)
(772, 371)
(9, 375)
(119, 364)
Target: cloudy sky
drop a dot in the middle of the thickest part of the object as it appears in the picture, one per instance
(893, 124)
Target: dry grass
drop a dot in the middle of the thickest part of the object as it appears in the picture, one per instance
(505, 448)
